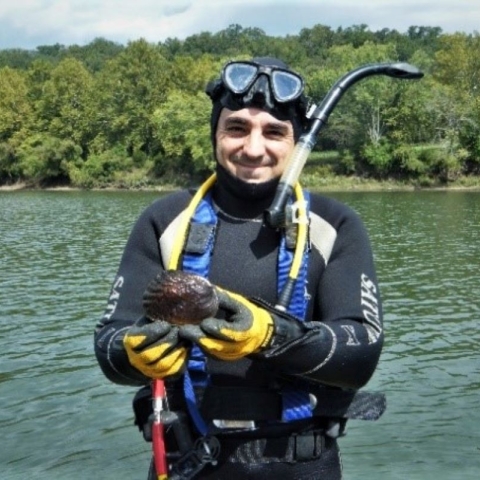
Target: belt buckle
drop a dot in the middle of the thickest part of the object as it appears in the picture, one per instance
(235, 424)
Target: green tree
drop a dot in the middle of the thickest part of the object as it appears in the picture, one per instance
(37, 75)
(51, 51)
(61, 109)
(411, 122)
(457, 63)
(171, 47)
(424, 38)
(316, 41)
(15, 109)
(15, 115)
(359, 117)
(126, 93)
(356, 35)
(183, 129)
(95, 54)
(199, 44)
(110, 167)
(44, 159)
(192, 75)
(9, 167)
(236, 39)
(16, 58)
(457, 70)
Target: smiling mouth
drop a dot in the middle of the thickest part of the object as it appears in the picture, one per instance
(251, 165)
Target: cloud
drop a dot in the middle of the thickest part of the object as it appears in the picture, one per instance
(290, 17)
(30, 23)
(79, 21)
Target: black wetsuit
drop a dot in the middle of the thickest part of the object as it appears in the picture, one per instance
(338, 349)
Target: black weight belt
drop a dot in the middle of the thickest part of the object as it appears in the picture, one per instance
(233, 403)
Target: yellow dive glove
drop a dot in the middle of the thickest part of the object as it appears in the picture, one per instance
(154, 348)
(247, 328)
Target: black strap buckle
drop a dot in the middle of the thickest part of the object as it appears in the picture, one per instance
(205, 450)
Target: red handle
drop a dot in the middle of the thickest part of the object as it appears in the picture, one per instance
(158, 440)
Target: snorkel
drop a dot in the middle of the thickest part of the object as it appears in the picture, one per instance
(276, 215)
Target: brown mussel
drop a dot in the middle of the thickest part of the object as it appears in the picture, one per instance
(180, 298)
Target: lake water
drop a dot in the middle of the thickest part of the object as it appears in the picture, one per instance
(61, 419)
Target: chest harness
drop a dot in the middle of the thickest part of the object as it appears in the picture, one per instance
(192, 251)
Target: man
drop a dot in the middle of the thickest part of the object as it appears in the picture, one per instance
(274, 375)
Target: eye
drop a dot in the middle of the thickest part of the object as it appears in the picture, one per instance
(235, 129)
(274, 132)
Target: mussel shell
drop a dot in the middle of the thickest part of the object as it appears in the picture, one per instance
(180, 298)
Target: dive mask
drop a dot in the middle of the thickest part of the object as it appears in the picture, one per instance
(264, 83)
(242, 77)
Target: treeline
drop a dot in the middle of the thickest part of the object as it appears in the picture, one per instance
(108, 114)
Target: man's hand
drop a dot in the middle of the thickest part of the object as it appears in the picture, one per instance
(248, 329)
(154, 349)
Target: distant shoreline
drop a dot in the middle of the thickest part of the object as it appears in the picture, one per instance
(344, 185)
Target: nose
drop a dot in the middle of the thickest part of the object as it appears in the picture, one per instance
(254, 145)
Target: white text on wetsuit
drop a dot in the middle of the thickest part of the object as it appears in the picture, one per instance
(371, 313)
(113, 299)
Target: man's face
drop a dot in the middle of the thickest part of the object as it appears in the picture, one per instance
(252, 144)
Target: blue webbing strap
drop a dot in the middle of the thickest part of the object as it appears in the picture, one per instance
(199, 263)
(295, 402)
(189, 391)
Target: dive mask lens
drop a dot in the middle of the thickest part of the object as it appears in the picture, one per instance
(238, 76)
(286, 86)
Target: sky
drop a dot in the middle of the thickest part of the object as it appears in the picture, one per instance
(28, 24)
